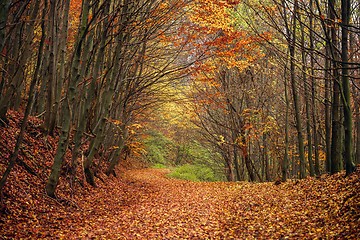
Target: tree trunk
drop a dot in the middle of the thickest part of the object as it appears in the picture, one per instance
(66, 110)
(313, 91)
(90, 96)
(307, 100)
(51, 68)
(60, 79)
(104, 102)
(13, 74)
(285, 160)
(336, 145)
(19, 139)
(266, 159)
(357, 121)
(247, 159)
(4, 8)
(294, 89)
(328, 119)
(236, 163)
(123, 135)
(346, 98)
(229, 169)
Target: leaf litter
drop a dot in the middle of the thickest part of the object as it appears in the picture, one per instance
(145, 204)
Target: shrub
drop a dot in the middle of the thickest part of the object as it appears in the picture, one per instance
(158, 148)
(155, 154)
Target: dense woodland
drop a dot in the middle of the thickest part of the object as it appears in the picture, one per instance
(269, 89)
(255, 91)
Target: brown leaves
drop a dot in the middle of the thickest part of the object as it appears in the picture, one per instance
(144, 204)
(295, 210)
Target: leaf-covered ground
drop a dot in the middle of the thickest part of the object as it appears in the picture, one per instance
(145, 204)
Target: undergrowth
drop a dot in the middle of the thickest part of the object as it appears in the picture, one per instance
(195, 173)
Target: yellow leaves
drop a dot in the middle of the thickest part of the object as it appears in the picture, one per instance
(163, 6)
(221, 140)
(137, 148)
(113, 147)
(114, 121)
(338, 20)
(134, 127)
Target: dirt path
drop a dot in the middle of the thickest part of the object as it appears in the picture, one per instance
(178, 209)
(144, 204)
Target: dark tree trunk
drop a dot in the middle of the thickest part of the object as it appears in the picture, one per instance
(336, 145)
(295, 90)
(19, 139)
(66, 110)
(346, 98)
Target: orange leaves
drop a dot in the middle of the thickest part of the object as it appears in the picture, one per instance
(115, 121)
(212, 15)
(145, 204)
(75, 8)
(213, 32)
(136, 148)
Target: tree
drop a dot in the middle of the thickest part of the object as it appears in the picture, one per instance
(31, 95)
(348, 142)
(69, 101)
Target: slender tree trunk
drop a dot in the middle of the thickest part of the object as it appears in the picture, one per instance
(229, 170)
(60, 78)
(313, 91)
(328, 119)
(355, 57)
(104, 103)
(236, 163)
(90, 96)
(357, 121)
(19, 139)
(81, 107)
(66, 110)
(285, 161)
(51, 68)
(294, 89)
(25, 55)
(247, 159)
(104, 112)
(336, 145)
(307, 101)
(13, 72)
(116, 157)
(4, 8)
(40, 100)
(266, 159)
(346, 98)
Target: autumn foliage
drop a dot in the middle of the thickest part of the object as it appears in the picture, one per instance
(145, 204)
(263, 94)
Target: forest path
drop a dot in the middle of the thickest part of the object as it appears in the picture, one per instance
(145, 204)
(148, 205)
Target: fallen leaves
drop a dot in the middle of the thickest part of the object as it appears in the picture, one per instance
(145, 204)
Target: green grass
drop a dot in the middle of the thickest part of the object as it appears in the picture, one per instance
(195, 173)
(159, 165)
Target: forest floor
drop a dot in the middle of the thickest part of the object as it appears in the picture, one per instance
(144, 203)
